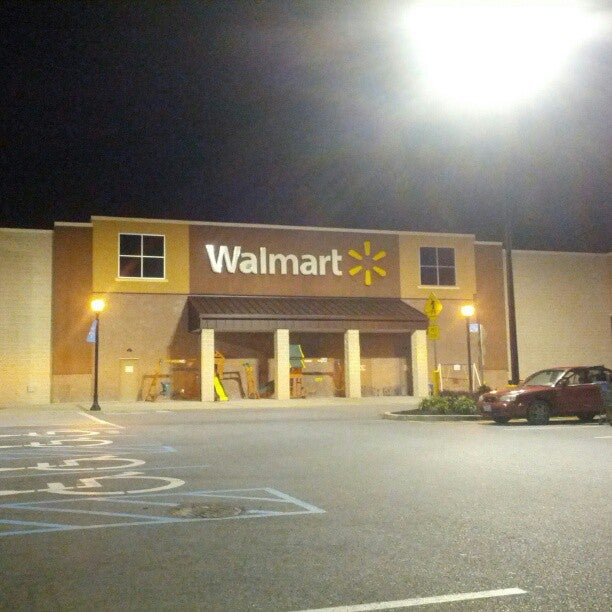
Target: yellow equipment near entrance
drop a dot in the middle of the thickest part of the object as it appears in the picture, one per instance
(252, 391)
(153, 392)
(296, 362)
(219, 367)
(219, 390)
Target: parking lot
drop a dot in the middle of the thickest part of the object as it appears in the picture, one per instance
(296, 508)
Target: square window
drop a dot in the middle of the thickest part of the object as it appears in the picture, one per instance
(142, 256)
(438, 266)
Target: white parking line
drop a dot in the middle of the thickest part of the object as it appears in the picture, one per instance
(93, 418)
(420, 601)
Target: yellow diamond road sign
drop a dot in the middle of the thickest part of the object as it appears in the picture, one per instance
(433, 307)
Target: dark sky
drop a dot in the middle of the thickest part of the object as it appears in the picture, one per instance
(300, 113)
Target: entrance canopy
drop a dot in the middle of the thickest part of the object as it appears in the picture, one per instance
(303, 314)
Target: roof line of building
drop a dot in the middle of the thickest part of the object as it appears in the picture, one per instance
(487, 243)
(72, 224)
(25, 230)
(534, 252)
(283, 227)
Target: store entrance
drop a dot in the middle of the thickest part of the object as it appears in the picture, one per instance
(323, 369)
(386, 365)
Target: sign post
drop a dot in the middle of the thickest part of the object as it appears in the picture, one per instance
(432, 309)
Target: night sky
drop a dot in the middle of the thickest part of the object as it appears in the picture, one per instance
(298, 113)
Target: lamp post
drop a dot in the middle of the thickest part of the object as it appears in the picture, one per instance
(97, 306)
(468, 311)
(512, 338)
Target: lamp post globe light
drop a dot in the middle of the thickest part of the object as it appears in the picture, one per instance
(491, 59)
(468, 311)
(97, 306)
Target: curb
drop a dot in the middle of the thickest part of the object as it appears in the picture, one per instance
(388, 403)
(394, 416)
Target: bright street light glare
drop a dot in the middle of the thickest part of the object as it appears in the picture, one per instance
(493, 55)
(97, 304)
(468, 310)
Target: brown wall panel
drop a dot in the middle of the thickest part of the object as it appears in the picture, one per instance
(298, 242)
(72, 282)
(491, 305)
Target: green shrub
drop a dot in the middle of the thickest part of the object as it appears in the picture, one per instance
(464, 405)
(448, 403)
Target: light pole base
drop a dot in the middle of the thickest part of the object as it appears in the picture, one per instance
(95, 406)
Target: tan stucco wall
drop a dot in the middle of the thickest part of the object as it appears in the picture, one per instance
(25, 321)
(451, 349)
(411, 287)
(562, 309)
(144, 328)
(105, 256)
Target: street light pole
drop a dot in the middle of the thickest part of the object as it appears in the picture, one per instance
(513, 345)
(96, 405)
(97, 306)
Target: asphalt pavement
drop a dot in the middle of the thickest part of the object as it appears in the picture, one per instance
(297, 507)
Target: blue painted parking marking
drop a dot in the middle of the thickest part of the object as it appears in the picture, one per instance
(255, 503)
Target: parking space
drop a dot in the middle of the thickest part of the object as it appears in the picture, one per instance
(73, 479)
(133, 509)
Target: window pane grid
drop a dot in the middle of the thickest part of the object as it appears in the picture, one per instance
(141, 256)
(438, 266)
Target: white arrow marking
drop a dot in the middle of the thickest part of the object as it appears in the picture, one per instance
(171, 483)
(51, 434)
(89, 441)
(93, 483)
(70, 464)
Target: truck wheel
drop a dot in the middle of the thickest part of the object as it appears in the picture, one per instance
(538, 413)
(501, 420)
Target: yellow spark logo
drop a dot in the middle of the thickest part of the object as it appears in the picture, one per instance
(368, 259)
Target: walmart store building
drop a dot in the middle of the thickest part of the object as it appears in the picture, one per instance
(185, 300)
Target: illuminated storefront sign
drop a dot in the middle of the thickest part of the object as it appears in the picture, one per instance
(237, 260)
(234, 259)
(222, 259)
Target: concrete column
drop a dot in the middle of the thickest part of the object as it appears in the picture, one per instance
(207, 365)
(281, 364)
(420, 378)
(352, 363)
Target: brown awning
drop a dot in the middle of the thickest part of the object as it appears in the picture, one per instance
(305, 314)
